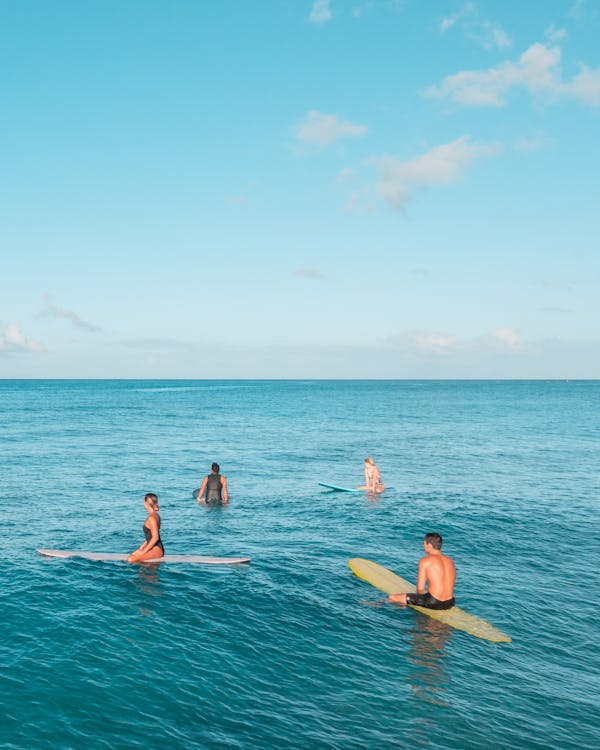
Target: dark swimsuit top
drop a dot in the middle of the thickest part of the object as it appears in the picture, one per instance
(148, 535)
(213, 488)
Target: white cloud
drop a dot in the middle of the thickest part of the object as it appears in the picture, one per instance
(498, 37)
(537, 142)
(507, 338)
(320, 12)
(346, 174)
(12, 339)
(154, 344)
(468, 9)
(538, 70)
(484, 32)
(441, 165)
(577, 9)
(585, 86)
(236, 200)
(51, 311)
(434, 344)
(553, 34)
(309, 273)
(360, 201)
(321, 129)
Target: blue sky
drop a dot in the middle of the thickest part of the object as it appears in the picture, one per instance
(300, 189)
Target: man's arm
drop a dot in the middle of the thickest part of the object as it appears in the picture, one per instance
(422, 576)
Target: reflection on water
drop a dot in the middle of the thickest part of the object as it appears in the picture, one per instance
(427, 656)
(147, 583)
(427, 677)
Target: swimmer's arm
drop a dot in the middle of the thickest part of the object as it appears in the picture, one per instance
(202, 489)
(224, 492)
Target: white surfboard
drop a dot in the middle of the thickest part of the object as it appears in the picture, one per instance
(118, 557)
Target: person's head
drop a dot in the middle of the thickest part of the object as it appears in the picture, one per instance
(215, 467)
(151, 500)
(434, 539)
(369, 460)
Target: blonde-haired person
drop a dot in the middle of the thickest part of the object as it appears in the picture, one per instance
(373, 483)
(153, 546)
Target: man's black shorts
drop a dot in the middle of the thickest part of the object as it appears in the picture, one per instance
(428, 601)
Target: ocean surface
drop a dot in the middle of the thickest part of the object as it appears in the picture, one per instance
(293, 651)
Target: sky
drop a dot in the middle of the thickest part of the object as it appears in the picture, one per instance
(300, 189)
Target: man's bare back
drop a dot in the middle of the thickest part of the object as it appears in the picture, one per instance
(436, 577)
(439, 572)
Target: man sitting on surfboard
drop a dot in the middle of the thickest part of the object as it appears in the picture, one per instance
(438, 571)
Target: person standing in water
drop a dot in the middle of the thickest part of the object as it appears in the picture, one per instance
(437, 573)
(373, 483)
(153, 546)
(215, 487)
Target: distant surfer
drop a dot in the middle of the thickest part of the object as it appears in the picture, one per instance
(153, 546)
(373, 483)
(436, 573)
(214, 486)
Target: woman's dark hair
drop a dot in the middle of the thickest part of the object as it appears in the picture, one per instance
(215, 467)
(434, 539)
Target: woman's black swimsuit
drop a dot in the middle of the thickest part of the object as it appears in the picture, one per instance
(148, 535)
(213, 489)
(428, 601)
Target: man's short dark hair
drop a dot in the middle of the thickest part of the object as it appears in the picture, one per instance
(215, 467)
(434, 539)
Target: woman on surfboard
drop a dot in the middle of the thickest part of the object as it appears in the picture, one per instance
(373, 481)
(153, 546)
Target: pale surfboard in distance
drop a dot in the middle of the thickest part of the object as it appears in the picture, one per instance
(118, 557)
(390, 583)
(337, 488)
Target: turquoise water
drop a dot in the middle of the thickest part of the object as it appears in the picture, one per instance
(289, 652)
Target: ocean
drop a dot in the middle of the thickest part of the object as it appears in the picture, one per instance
(293, 651)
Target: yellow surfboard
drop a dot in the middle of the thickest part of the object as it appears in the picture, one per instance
(388, 582)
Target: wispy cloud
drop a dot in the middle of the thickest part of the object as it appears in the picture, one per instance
(553, 34)
(537, 70)
(435, 344)
(321, 129)
(558, 285)
(538, 142)
(361, 201)
(236, 200)
(320, 12)
(577, 9)
(309, 273)
(486, 33)
(468, 9)
(440, 166)
(52, 311)
(346, 174)
(150, 344)
(12, 339)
